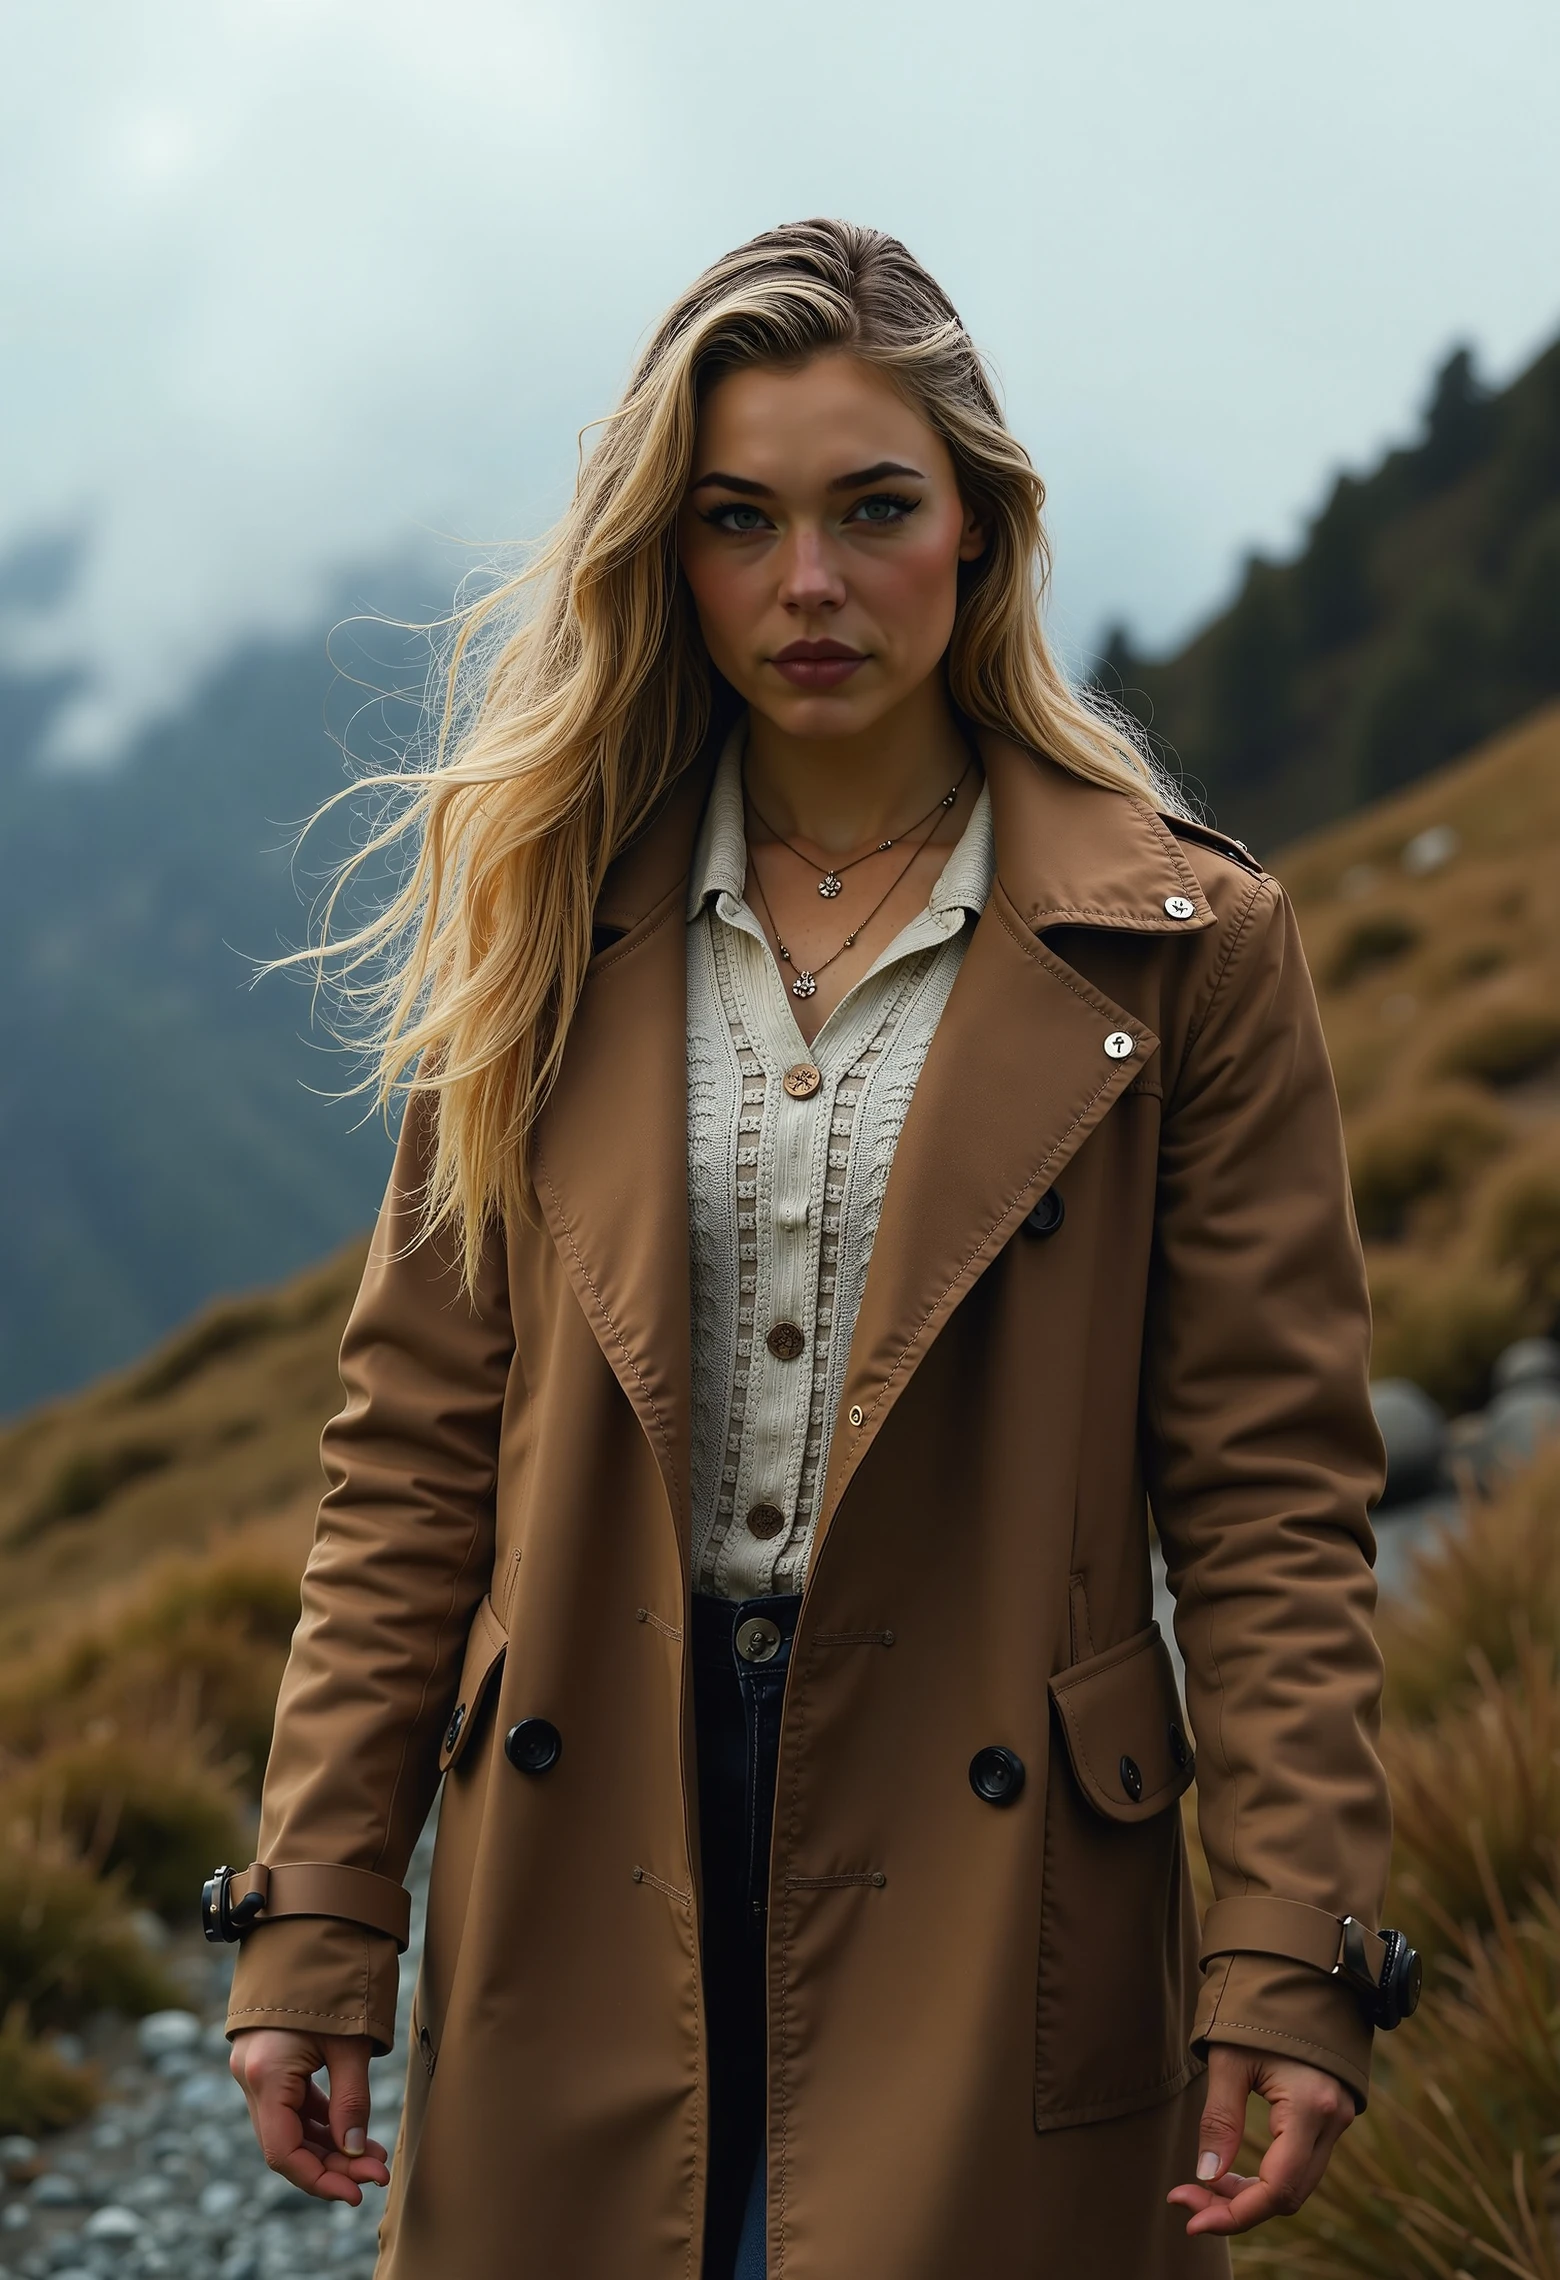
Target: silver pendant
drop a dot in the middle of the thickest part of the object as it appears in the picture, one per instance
(830, 885)
(804, 986)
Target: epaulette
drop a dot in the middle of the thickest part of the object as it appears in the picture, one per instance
(1233, 850)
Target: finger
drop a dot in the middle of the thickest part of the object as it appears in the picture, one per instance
(1195, 2198)
(348, 2066)
(277, 2105)
(1223, 2124)
(1251, 2205)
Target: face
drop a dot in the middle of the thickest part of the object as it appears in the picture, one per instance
(821, 537)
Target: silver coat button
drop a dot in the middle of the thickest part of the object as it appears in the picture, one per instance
(1180, 906)
(758, 1640)
(1118, 1045)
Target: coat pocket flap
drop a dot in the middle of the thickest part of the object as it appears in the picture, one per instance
(485, 1648)
(1125, 1729)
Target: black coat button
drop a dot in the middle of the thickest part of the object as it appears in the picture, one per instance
(452, 1730)
(996, 1775)
(1132, 1780)
(1047, 1215)
(1180, 1748)
(534, 1746)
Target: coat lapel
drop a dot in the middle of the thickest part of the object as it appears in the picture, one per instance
(610, 1149)
(1018, 1073)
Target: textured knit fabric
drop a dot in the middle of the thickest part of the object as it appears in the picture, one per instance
(784, 1194)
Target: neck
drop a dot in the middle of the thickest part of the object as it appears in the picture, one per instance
(839, 794)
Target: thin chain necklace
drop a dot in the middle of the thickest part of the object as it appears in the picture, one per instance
(831, 881)
(806, 982)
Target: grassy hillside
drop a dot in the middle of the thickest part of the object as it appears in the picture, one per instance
(1422, 612)
(1432, 923)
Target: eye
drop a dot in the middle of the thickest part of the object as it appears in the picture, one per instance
(737, 516)
(882, 507)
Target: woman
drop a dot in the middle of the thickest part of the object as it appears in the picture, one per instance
(864, 1144)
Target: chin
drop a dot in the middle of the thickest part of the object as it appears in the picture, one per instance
(821, 713)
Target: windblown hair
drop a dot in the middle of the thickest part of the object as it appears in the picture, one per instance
(575, 693)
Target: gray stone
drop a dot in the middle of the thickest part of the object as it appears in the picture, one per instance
(14, 2151)
(55, 2190)
(167, 2031)
(1415, 1435)
(113, 2222)
(1531, 1361)
(220, 2198)
(1516, 1423)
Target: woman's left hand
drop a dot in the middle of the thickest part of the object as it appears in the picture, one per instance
(1309, 2111)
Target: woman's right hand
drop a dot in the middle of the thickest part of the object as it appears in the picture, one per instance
(319, 2144)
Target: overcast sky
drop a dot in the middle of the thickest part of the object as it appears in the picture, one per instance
(285, 284)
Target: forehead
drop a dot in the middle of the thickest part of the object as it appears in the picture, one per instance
(796, 429)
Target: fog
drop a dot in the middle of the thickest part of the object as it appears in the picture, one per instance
(294, 284)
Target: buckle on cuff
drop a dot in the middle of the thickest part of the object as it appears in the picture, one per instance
(224, 1920)
(1393, 1996)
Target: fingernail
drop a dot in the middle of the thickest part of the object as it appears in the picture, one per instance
(1207, 2168)
(355, 2140)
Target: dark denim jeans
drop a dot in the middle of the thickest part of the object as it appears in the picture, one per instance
(737, 1719)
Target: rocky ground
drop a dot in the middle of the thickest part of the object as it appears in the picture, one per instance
(166, 2178)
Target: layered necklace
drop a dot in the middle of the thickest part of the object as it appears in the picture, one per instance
(831, 881)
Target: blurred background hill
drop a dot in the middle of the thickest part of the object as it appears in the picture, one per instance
(161, 1134)
(1422, 611)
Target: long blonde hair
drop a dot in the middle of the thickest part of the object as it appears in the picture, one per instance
(575, 693)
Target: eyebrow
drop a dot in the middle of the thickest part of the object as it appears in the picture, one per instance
(716, 481)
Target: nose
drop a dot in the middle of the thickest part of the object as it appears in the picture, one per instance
(809, 578)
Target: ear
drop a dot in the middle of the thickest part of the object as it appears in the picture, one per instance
(973, 538)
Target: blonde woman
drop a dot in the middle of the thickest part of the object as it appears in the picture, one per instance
(865, 1148)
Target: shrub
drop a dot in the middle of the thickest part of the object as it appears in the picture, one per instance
(203, 1646)
(1480, 1588)
(1424, 1146)
(153, 1807)
(1502, 1044)
(1442, 1324)
(1371, 942)
(38, 2089)
(86, 1481)
(1476, 1790)
(67, 1946)
(1520, 1219)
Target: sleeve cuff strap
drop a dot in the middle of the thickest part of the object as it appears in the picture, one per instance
(1255, 1924)
(323, 1888)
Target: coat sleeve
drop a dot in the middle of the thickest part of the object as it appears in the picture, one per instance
(403, 1551)
(1263, 1460)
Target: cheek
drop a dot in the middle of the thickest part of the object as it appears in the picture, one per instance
(913, 588)
(724, 598)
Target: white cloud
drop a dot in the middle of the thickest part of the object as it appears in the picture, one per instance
(286, 281)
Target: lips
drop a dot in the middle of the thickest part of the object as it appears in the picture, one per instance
(817, 664)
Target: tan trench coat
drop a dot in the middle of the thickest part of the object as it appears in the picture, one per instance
(982, 2028)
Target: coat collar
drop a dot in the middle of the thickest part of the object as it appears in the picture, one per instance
(1023, 1036)
(1068, 853)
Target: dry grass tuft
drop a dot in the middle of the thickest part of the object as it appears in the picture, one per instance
(39, 2090)
(1442, 1322)
(1453, 2172)
(1432, 1143)
(68, 1943)
(153, 1806)
(1476, 1793)
(200, 1650)
(1478, 1593)
(1500, 1045)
